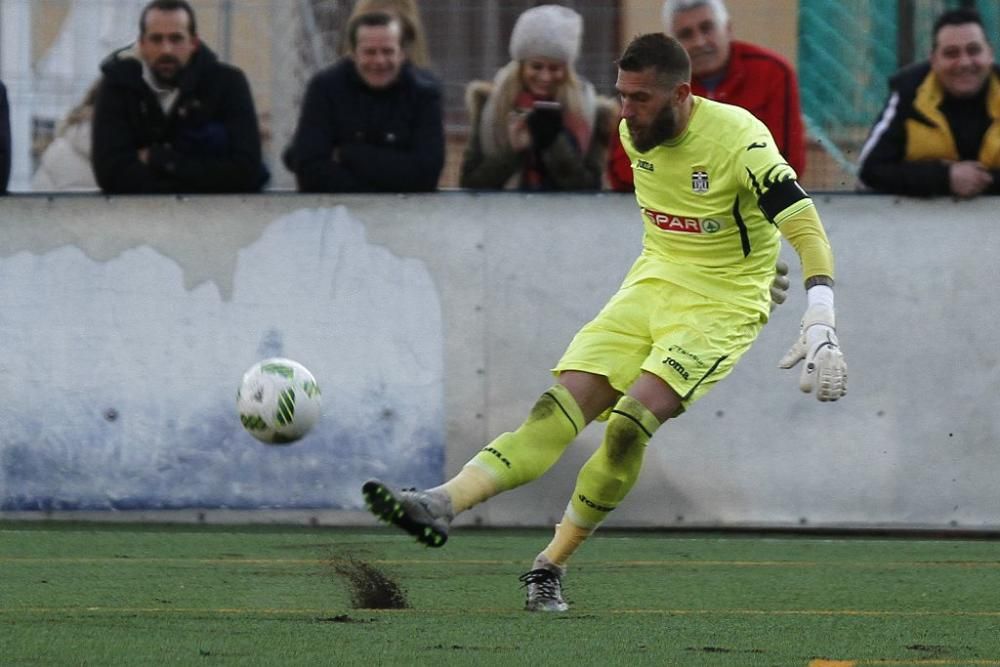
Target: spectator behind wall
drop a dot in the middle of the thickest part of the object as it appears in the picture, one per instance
(538, 125)
(414, 39)
(372, 122)
(731, 71)
(170, 117)
(65, 163)
(4, 140)
(939, 133)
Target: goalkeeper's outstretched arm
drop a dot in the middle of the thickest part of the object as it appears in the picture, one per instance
(824, 369)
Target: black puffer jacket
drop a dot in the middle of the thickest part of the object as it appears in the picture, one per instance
(351, 138)
(209, 142)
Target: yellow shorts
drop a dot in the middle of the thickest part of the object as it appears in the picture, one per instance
(685, 338)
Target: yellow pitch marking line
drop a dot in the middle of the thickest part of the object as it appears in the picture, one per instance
(448, 612)
(479, 561)
(873, 613)
(901, 663)
(124, 560)
(175, 610)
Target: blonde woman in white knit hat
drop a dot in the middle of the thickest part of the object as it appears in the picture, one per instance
(538, 125)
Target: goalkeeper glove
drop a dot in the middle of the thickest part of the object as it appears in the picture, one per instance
(824, 368)
(779, 286)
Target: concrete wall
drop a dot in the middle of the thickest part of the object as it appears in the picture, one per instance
(430, 323)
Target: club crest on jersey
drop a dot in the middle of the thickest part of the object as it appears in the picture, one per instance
(699, 181)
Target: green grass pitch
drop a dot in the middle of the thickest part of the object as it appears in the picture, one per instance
(103, 594)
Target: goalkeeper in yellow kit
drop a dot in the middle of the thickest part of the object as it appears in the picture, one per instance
(715, 197)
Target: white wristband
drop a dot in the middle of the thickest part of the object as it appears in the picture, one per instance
(820, 307)
(821, 296)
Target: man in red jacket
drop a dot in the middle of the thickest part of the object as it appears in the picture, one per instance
(733, 72)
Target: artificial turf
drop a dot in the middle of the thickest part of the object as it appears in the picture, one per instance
(124, 594)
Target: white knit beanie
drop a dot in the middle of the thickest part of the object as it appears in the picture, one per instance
(547, 31)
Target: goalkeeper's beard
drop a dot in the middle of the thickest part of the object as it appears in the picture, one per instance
(663, 127)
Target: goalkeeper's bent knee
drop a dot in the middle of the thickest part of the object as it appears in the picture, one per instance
(516, 458)
(611, 472)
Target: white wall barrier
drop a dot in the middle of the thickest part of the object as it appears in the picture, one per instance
(431, 322)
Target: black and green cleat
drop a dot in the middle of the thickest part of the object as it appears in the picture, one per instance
(424, 515)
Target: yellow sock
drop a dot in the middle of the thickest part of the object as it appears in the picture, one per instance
(517, 458)
(609, 474)
(471, 486)
(568, 537)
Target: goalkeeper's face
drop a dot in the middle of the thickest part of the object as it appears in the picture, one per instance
(653, 112)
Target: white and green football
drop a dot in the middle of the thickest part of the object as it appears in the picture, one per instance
(278, 401)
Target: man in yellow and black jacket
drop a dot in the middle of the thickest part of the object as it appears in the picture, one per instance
(939, 133)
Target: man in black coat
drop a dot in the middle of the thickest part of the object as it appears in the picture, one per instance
(170, 117)
(372, 122)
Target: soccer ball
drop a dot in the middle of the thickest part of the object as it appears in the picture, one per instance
(278, 401)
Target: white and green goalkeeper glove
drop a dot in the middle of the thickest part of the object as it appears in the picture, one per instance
(824, 369)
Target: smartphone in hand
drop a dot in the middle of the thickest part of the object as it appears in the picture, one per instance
(546, 106)
(545, 122)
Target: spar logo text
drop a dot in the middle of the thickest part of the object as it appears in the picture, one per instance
(674, 223)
